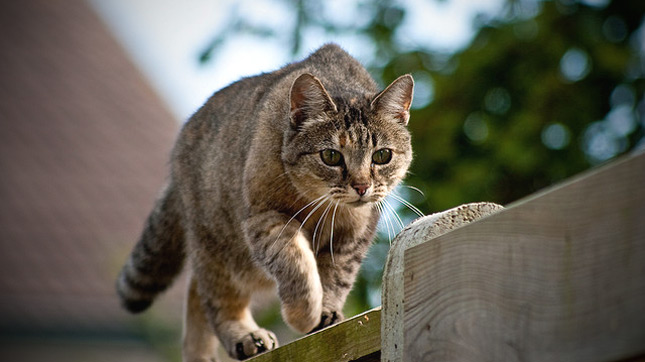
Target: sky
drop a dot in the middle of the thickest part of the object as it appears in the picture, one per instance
(165, 38)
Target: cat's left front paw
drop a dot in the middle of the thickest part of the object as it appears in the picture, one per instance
(327, 319)
(255, 343)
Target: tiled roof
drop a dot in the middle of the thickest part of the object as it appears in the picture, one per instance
(84, 146)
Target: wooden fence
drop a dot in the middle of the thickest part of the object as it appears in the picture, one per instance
(558, 276)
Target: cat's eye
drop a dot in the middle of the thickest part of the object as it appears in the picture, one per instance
(382, 156)
(331, 157)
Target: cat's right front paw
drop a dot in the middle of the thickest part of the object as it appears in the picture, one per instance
(302, 302)
(327, 319)
(255, 343)
(301, 316)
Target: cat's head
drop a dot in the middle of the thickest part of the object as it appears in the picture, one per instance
(354, 148)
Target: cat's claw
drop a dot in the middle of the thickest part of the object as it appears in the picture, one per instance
(327, 319)
(255, 343)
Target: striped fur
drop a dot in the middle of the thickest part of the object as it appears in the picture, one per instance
(156, 259)
(255, 208)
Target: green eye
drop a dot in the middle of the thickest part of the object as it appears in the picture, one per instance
(382, 156)
(331, 157)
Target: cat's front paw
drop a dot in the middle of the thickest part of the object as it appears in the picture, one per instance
(301, 316)
(327, 319)
(255, 343)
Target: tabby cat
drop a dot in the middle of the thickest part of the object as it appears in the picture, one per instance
(274, 185)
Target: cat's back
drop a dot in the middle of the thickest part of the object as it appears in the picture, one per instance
(339, 72)
(225, 121)
(239, 107)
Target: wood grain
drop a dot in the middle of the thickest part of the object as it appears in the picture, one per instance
(419, 231)
(355, 339)
(559, 276)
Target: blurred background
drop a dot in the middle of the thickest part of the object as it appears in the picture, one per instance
(511, 96)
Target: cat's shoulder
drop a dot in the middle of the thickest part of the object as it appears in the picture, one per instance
(330, 49)
(330, 53)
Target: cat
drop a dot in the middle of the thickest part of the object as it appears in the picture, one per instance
(274, 185)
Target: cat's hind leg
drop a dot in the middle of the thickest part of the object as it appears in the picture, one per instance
(199, 341)
(238, 332)
(242, 344)
(226, 316)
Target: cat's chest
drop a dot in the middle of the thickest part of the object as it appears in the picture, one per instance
(337, 223)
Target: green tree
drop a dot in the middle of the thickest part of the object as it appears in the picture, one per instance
(530, 102)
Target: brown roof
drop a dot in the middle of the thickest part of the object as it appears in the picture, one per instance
(84, 145)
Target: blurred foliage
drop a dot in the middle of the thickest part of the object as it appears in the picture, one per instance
(544, 91)
(508, 116)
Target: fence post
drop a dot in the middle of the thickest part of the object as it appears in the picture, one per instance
(558, 276)
(419, 231)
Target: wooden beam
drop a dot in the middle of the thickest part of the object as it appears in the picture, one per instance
(355, 339)
(417, 232)
(559, 276)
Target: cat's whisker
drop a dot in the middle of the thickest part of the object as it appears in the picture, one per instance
(396, 215)
(409, 205)
(331, 236)
(323, 217)
(317, 203)
(389, 221)
(413, 188)
(316, 207)
(294, 216)
(379, 205)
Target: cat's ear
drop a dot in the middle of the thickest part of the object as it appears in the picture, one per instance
(308, 99)
(395, 100)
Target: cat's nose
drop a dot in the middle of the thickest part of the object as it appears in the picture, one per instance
(361, 189)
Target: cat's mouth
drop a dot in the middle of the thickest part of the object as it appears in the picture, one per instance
(359, 202)
(354, 200)
(363, 201)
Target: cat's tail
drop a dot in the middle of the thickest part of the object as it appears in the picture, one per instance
(157, 258)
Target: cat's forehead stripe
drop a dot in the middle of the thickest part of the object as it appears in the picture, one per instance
(357, 136)
(342, 140)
